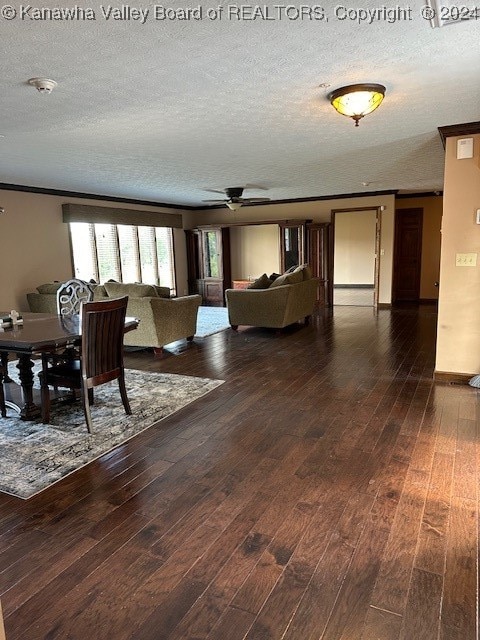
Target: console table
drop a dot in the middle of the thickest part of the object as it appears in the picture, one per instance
(241, 284)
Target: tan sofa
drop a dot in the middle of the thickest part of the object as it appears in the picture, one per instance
(162, 319)
(289, 299)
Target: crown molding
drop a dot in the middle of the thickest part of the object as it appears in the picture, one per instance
(90, 196)
(96, 196)
(361, 194)
(464, 129)
(423, 194)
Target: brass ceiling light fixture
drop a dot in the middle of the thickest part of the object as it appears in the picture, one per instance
(357, 100)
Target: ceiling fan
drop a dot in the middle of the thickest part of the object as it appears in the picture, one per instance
(234, 199)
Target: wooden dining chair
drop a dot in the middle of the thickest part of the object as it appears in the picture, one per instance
(101, 360)
(70, 296)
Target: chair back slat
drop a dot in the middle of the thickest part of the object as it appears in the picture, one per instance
(70, 296)
(103, 325)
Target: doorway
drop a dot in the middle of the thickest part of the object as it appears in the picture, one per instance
(407, 255)
(356, 239)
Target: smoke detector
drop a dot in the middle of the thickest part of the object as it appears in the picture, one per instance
(43, 85)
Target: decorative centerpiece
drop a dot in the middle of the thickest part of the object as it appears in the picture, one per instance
(12, 320)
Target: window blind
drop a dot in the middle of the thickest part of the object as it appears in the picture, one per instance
(125, 253)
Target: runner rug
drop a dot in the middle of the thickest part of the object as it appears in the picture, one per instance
(211, 320)
(33, 455)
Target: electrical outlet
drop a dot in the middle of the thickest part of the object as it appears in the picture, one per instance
(466, 260)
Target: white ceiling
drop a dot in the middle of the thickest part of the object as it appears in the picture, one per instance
(162, 111)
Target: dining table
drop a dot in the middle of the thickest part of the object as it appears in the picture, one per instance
(37, 334)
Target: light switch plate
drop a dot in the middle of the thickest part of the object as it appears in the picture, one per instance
(466, 260)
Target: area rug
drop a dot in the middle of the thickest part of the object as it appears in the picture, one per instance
(34, 456)
(211, 320)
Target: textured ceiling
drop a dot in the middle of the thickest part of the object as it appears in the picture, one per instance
(163, 110)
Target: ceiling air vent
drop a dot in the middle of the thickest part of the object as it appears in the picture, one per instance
(444, 12)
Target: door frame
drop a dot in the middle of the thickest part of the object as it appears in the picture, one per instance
(378, 231)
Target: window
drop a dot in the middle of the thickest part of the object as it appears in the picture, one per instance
(124, 253)
(211, 255)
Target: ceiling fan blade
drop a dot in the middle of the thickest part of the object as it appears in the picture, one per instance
(255, 187)
(222, 191)
(255, 199)
(214, 201)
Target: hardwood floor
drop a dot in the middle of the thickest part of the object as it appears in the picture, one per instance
(328, 490)
(353, 296)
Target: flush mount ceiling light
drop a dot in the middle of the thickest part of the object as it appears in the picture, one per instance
(233, 206)
(43, 85)
(234, 197)
(357, 100)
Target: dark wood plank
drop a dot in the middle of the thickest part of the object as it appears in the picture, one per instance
(352, 605)
(432, 542)
(422, 613)
(460, 597)
(381, 625)
(311, 616)
(392, 585)
(233, 625)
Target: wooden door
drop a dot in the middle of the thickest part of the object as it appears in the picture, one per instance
(318, 256)
(407, 258)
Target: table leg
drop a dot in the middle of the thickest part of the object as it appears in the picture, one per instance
(3, 410)
(4, 359)
(30, 410)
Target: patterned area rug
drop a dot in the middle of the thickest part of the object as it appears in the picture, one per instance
(34, 456)
(211, 320)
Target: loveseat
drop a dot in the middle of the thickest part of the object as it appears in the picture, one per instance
(288, 299)
(162, 319)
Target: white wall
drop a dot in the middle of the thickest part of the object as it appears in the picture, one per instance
(354, 256)
(255, 250)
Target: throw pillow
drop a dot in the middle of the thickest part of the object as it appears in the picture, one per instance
(162, 292)
(281, 280)
(133, 290)
(48, 287)
(295, 276)
(287, 278)
(274, 276)
(305, 271)
(99, 292)
(263, 282)
(292, 269)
